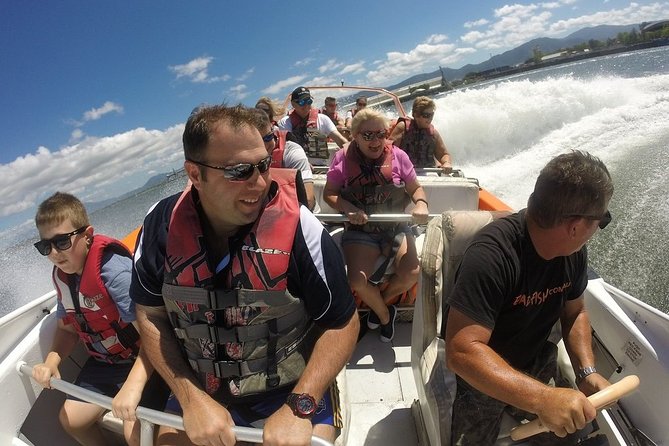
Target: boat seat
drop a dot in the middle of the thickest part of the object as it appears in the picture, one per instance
(445, 242)
(442, 193)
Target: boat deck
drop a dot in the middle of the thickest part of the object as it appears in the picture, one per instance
(380, 390)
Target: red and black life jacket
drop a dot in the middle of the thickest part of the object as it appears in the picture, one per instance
(305, 132)
(244, 334)
(418, 143)
(370, 186)
(91, 310)
(279, 148)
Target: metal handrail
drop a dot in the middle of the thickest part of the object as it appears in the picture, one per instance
(148, 417)
(373, 218)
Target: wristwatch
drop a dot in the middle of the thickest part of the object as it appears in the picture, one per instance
(583, 372)
(303, 405)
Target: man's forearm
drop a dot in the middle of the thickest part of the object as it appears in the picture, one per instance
(163, 350)
(331, 353)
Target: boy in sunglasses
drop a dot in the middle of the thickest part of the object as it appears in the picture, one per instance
(92, 275)
(519, 276)
(419, 139)
(241, 293)
(309, 128)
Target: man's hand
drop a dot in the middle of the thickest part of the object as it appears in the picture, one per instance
(283, 428)
(593, 383)
(208, 423)
(357, 218)
(564, 411)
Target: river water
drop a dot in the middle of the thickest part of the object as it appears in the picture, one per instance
(503, 132)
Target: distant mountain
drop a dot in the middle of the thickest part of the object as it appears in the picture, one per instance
(523, 52)
(151, 182)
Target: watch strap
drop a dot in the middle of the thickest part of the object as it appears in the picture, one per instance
(585, 371)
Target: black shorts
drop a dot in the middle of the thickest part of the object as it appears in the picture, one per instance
(107, 379)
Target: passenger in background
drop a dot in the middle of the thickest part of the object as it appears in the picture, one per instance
(284, 153)
(330, 110)
(309, 128)
(419, 139)
(518, 277)
(272, 108)
(360, 103)
(370, 176)
(92, 275)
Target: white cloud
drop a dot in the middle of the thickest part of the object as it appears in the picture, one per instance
(475, 23)
(96, 113)
(278, 87)
(76, 135)
(330, 65)
(246, 74)
(425, 56)
(353, 68)
(303, 62)
(197, 71)
(239, 92)
(93, 169)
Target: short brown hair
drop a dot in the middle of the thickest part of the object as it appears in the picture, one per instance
(571, 184)
(59, 207)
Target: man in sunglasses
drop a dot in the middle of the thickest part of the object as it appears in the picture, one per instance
(241, 293)
(419, 139)
(309, 128)
(519, 276)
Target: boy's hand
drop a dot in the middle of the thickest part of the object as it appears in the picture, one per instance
(42, 373)
(126, 401)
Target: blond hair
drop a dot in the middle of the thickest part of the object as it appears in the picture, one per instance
(367, 114)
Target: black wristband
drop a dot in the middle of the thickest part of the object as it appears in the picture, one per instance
(423, 200)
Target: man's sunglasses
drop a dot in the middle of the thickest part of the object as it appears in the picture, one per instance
(427, 115)
(361, 104)
(241, 171)
(604, 220)
(302, 102)
(368, 136)
(269, 137)
(62, 242)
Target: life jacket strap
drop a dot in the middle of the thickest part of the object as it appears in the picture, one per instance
(244, 333)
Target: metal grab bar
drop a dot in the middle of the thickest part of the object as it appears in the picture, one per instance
(374, 218)
(149, 417)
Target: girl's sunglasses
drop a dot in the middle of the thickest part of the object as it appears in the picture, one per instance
(368, 136)
(62, 242)
(241, 171)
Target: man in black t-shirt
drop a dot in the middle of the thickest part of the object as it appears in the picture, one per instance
(519, 276)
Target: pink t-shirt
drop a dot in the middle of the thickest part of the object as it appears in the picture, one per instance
(402, 168)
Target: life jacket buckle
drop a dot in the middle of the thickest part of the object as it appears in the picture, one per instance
(273, 380)
(226, 369)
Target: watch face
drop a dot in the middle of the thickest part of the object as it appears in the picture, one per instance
(305, 404)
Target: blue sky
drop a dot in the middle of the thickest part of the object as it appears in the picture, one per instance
(93, 95)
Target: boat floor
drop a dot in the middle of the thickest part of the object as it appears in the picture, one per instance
(381, 389)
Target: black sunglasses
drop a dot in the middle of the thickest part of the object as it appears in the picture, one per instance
(62, 242)
(604, 220)
(269, 137)
(427, 115)
(241, 171)
(303, 102)
(368, 136)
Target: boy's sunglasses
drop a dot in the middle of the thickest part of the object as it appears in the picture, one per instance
(269, 137)
(368, 136)
(241, 171)
(302, 102)
(62, 242)
(604, 220)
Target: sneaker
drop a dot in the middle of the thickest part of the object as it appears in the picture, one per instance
(373, 321)
(388, 330)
